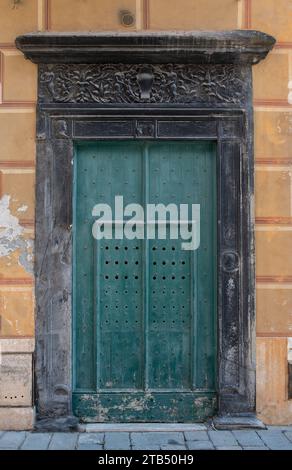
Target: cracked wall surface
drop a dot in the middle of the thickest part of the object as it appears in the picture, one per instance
(12, 237)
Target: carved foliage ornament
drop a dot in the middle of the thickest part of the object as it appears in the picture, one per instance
(122, 83)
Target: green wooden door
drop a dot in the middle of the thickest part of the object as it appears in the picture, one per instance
(144, 310)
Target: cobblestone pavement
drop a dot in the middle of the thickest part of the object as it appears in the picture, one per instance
(203, 438)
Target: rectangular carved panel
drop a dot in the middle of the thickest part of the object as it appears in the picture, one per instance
(185, 129)
(203, 85)
(103, 129)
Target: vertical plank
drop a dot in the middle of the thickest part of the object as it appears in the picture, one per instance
(146, 291)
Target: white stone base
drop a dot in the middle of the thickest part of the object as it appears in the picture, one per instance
(16, 411)
(16, 419)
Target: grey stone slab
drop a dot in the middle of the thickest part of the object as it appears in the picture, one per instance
(63, 441)
(200, 445)
(279, 428)
(172, 447)
(36, 441)
(172, 438)
(222, 438)
(89, 447)
(230, 423)
(275, 440)
(196, 436)
(255, 448)
(229, 448)
(142, 427)
(12, 440)
(248, 438)
(117, 441)
(146, 447)
(91, 441)
(289, 435)
(144, 440)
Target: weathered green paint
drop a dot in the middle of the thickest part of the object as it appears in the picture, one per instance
(144, 310)
(145, 406)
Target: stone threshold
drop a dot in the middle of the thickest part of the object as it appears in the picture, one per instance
(142, 427)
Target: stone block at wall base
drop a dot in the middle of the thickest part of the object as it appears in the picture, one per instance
(17, 419)
(273, 405)
(16, 410)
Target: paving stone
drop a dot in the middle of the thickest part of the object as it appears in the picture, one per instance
(197, 436)
(200, 445)
(279, 428)
(289, 435)
(36, 441)
(222, 438)
(143, 440)
(12, 440)
(173, 438)
(117, 441)
(63, 441)
(172, 447)
(91, 441)
(248, 438)
(146, 447)
(275, 440)
(255, 448)
(89, 447)
(229, 448)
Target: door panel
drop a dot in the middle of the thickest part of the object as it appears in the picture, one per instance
(120, 310)
(144, 310)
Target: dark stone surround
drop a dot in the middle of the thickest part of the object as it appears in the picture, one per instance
(150, 86)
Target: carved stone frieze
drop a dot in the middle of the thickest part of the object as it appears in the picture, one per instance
(125, 83)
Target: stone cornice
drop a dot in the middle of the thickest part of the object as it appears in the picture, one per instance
(196, 47)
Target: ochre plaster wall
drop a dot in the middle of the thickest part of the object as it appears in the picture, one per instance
(273, 165)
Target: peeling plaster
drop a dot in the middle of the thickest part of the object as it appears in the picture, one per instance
(12, 236)
(22, 208)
